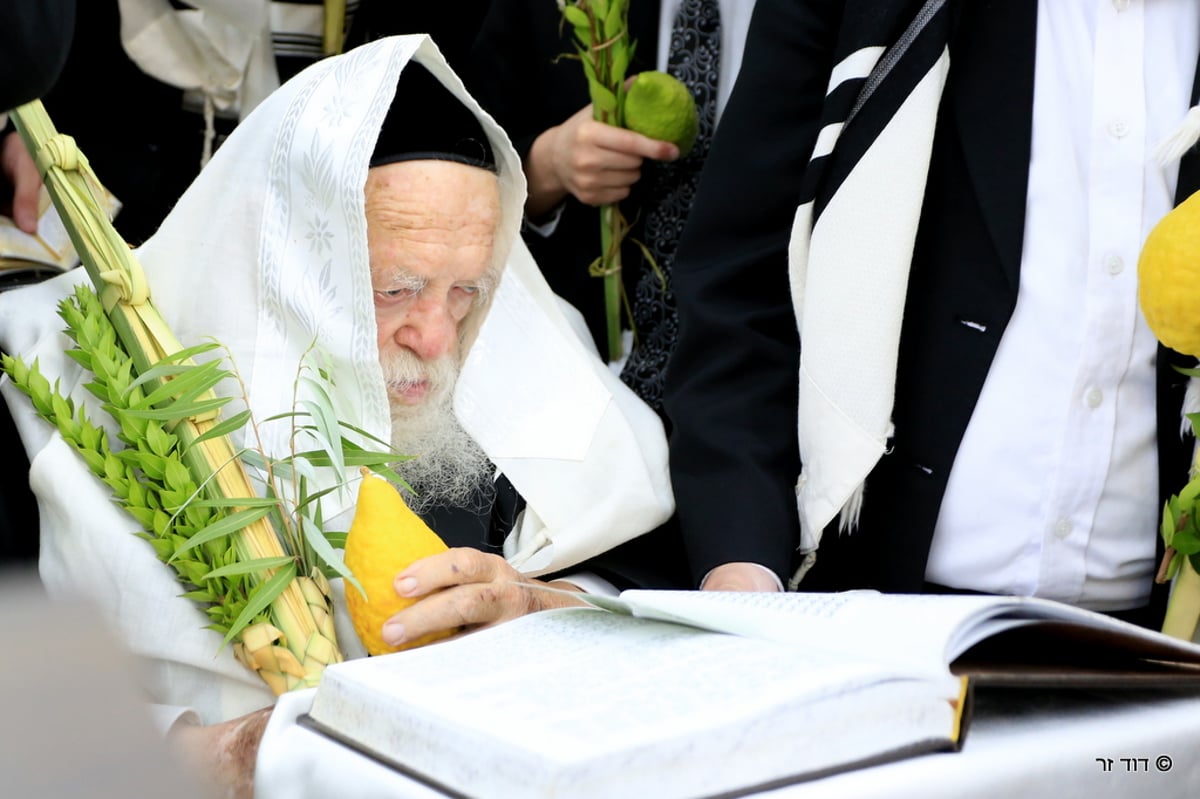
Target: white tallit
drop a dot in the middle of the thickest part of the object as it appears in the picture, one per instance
(220, 49)
(267, 252)
(850, 251)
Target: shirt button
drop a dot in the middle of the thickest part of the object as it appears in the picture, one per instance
(1062, 528)
(1115, 264)
(1094, 398)
(1118, 128)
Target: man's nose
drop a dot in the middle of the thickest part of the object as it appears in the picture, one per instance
(429, 331)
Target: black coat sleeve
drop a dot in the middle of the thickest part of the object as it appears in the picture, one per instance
(35, 36)
(516, 71)
(732, 384)
(522, 74)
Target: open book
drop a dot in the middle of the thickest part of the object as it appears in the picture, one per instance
(680, 695)
(28, 258)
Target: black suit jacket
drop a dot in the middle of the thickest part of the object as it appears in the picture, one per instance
(452, 27)
(518, 76)
(731, 390)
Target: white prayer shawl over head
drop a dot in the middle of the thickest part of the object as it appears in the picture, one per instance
(850, 252)
(267, 252)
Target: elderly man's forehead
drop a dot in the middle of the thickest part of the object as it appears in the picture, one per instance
(418, 182)
(431, 203)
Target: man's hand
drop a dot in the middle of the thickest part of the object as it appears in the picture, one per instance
(223, 756)
(594, 161)
(464, 587)
(18, 169)
(740, 577)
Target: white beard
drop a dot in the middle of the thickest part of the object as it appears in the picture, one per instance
(448, 468)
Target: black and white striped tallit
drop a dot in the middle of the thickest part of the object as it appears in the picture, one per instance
(851, 248)
(227, 57)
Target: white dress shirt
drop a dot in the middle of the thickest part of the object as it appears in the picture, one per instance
(735, 20)
(1054, 491)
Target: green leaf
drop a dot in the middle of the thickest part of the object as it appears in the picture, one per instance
(1187, 496)
(187, 352)
(321, 409)
(286, 415)
(153, 466)
(250, 566)
(388, 474)
(166, 368)
(137, 494)
(197, 518)
(614, 17)
(313, 500)
(254, 459)
(97, 390)
(132, 430)
(187, 386)
(82, 358)
(325, 552)
(158, 440)
(177, 476)
(1167, 528)
(162, 523)
(143, 515)
(89, 434)
(223, 428)
(621, 58)
(113, 468)
(176, 411)
(387, 445)
(94, 460)
(304, 468)
(336, 540)
(63, 408)
(162, 548)
(174, 500)
(1187, 542)
(235, 502)
(160, 372)
(192, 570)
(577, 17)
(261, 598)
(353, 457)
(280, 469)
(589, 66)
(226, 526)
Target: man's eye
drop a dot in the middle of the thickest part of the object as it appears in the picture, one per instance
(394, 295)
(468, 289)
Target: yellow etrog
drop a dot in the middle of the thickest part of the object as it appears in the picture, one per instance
(384, 538)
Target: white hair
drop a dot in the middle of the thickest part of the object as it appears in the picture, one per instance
(447, 468)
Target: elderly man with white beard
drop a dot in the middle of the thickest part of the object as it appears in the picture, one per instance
(368, 210)
(431, 225)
